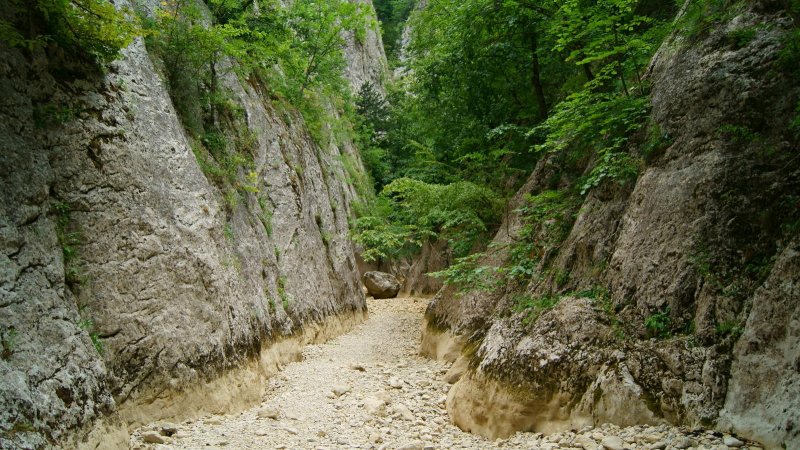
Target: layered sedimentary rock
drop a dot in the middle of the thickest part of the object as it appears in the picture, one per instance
(701, 246)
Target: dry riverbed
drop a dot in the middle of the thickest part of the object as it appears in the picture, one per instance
(370, 390)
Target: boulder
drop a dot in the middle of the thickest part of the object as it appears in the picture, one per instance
(381, 284)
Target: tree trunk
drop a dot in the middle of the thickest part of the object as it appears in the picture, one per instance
(588, 72)
(536, 78)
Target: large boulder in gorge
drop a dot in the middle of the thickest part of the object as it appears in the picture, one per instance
(381, 284)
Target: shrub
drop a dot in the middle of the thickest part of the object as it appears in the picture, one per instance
(658, 324)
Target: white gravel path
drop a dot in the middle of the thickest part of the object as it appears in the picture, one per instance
(369, 389)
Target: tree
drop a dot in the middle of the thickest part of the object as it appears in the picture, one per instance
(319, 27)
(86, 28)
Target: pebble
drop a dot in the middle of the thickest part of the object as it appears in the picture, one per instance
(681, 442)
(396, 402)
(731, 441)
(268, 413)
(153, 438)
(375, 406)
(340, 390)
(612, 443)
(168, 429)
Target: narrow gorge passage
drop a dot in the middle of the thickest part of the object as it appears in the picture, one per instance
(370, 389)
(366, 389)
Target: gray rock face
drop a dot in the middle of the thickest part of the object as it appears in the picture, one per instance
(366, 61)
(763, 398)
(126, 277)
(381, 284)
(680, 240)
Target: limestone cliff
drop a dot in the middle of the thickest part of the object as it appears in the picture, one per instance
(700, 249)
(131, 287)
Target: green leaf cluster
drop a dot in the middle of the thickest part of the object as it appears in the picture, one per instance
(393, 15)
(409, 212)
(89, 29)
(467, 274)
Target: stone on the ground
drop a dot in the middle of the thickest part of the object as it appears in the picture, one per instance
(375, 406)
(340, 389)
(660, 445)
(395, 382)
(584, 442)
(152, 437)
(416, 445)
(268, 412)
(612, 443)
(731, 441)
(402, 410)
(168, 429)
(681, 442)
(381, 284)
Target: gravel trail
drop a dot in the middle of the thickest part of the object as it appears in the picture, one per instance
(369, 389)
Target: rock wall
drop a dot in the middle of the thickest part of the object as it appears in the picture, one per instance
(366, 61)
(704, 237)
(132, 289)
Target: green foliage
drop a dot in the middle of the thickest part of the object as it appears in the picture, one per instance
(619, 167)
(228, 232)
(548, 217)
(318, 28)
(91, 29)
(702, 15)
(372, 125)
(468, 275)
(266, 215)
(70, 238)
(730, 328)
(658, 324)
(409, 212)
(741, 37)
(534, 306)
(8, 342)
(88, 325)
(789, 56)
(286, 298)
(738, 134)
(657, 141)
(392, 15)
(53, 114)
(599, 124)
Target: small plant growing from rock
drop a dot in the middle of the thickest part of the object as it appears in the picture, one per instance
(534, 306)
(286, 298)
(731, 328)
(88, 325)
(658, 324)
(8, 342)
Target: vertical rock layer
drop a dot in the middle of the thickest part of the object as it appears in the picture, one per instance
(131, 288)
